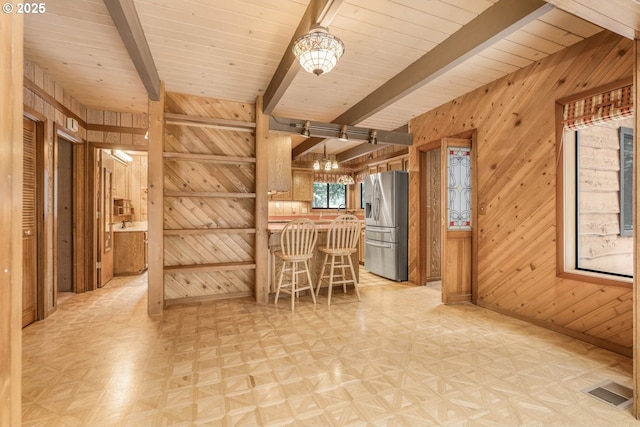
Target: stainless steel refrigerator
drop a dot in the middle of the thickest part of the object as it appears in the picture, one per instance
(386, 197)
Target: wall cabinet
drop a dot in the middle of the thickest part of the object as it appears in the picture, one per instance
(303, 186)
(284, 196)
(130, 254)
(280, 163)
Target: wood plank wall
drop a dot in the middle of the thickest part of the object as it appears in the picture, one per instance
(516, 145)
(11, 51)
(209, 202)
(120, 129)
(126, 131)
(46, 97)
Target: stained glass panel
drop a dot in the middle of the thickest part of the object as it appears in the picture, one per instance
(459, 188)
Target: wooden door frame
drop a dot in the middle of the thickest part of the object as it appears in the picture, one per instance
(422, 196)
(422, 174)
(92, 206)
(79, 212)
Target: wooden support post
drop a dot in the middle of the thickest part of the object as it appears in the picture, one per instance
(11, 58)
(636, 234)
(156, 205)
(262, 204)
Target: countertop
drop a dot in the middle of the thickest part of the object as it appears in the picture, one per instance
(130, 227)
(316, 218)
(277, 223)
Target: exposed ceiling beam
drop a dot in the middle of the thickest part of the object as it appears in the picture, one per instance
(491, 26)
(357, 151)
(377, 160)
(126, 20)
(319, 12)
(306, 146)
(362, 149)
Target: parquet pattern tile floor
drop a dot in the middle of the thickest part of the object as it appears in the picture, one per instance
(397, 358)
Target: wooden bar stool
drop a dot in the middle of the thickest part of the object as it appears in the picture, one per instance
(297, 242)
(342, 242)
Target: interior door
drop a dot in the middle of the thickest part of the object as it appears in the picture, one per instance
(457, 203)
(431, 164)
(105, 220)
(64, 217)
(29, 235)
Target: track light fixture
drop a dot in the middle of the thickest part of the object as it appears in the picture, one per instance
(373, 137)
(305, 130)
(343, 134)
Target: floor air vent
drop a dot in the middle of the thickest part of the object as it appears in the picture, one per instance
(612, 393)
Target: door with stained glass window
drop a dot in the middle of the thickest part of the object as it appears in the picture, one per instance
(457, 212)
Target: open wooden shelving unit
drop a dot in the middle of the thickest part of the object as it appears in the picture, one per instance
(208, 199)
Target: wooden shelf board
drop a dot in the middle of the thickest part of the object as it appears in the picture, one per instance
(226, 124)
(195, 231)
(198, 268)
(208, 158)
(209, 194)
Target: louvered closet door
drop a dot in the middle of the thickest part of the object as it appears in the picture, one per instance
(29, 239)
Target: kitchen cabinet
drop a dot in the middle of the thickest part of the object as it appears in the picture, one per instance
(303, 186)
(130, 254)
(283, 196)
(302, 191)
(361, 247)
(279, 164)
(396, 165)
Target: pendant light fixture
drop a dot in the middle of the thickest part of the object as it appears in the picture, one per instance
(346, 179)
(327, 163)
(318, 51)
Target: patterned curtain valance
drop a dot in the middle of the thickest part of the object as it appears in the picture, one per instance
(600, 108)
(331, 178)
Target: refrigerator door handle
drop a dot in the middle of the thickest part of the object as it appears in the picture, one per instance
(377, 245)
(376, 200)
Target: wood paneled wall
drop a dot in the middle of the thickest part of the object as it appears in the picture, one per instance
(209, 201)
(119, 129)
(47, 98)
(11, 48)
(516, 151)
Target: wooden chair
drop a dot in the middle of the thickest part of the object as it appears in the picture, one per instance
(297, 242)
(342, 242)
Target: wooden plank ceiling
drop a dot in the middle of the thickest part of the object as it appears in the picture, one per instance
(231, 50)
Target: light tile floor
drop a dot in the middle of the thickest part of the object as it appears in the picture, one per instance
(397, 358)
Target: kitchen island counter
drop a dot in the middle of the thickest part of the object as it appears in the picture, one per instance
(275, 228)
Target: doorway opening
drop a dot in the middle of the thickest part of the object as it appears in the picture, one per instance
(447, 218)
(121, 204)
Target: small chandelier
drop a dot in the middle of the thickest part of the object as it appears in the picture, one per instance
(318, 51)
(327, 163)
